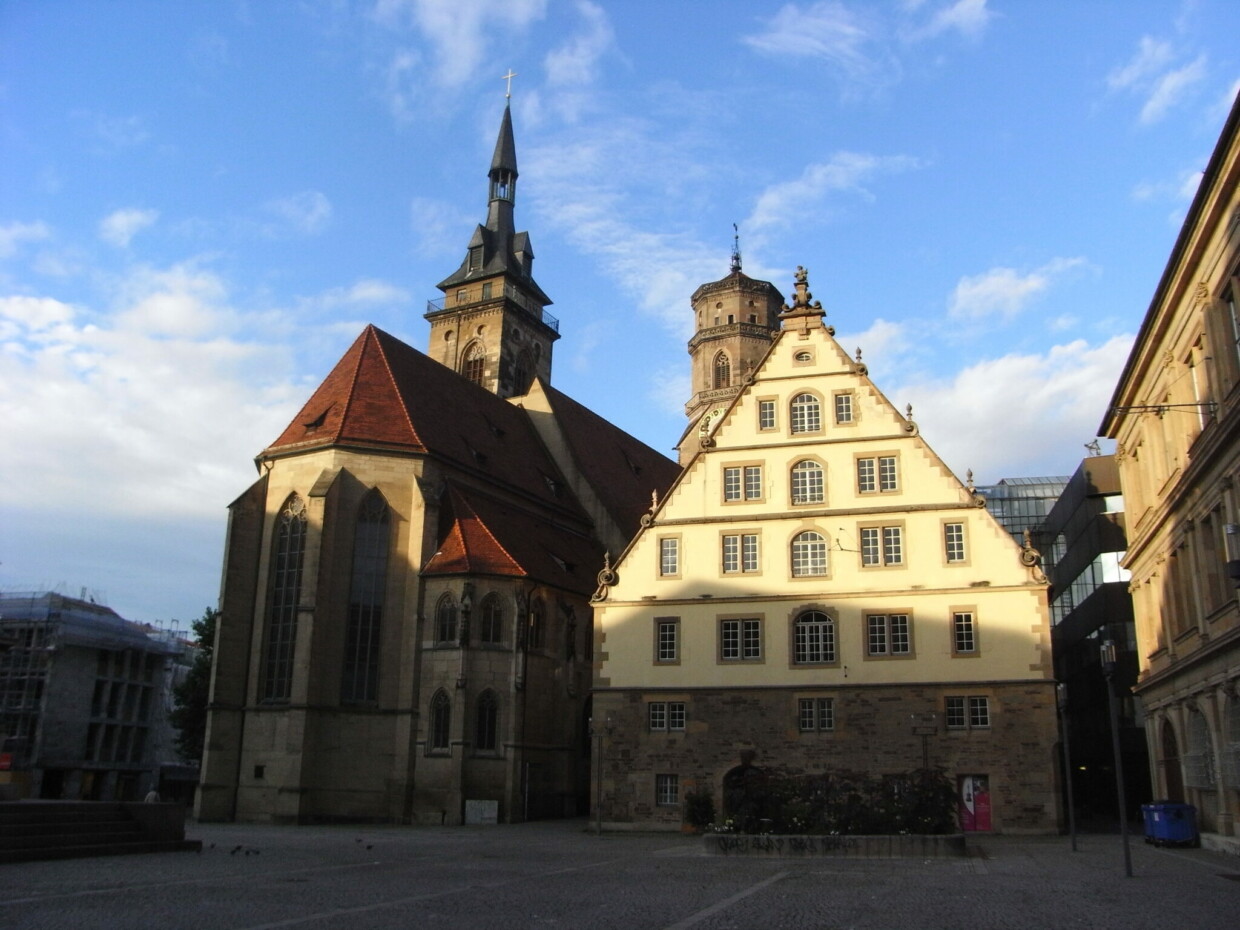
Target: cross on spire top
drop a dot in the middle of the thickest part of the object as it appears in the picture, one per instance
(508, 77)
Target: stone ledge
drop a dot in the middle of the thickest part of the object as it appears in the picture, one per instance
(901, 846)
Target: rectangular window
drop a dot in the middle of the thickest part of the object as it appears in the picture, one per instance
(669, 555)
(877, 474)
(676, 715)
(740, 640)
(953, 542)
(766, 414)
(889, 635)
(964, 633)
(816, 714)
(882, 545)
(667, 790)
(843, 408)
(968, 713)
(740, 553)
(667, 639)
(666, 715)
(742, 483)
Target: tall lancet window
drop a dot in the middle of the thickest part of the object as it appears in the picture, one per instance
(360, 681)
(723, 371)
(475, 360)
(286, 564)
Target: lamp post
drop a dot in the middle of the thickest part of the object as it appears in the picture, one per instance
(1109, 659)
(1061, 700)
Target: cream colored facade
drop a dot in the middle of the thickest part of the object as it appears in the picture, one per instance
(1176, 417)
(815, 549)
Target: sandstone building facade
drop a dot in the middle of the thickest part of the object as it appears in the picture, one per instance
(817, 589)
(1176, 417)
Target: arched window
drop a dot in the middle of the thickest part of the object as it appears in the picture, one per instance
(538, 625)
(1199, 757)
(474, 361)
(445, 620)
(806, 414)
(723, 371)
(813, 640)
(486, 723)
(360, 680)
(286, 565)
(807, 483)
(809, 554)
(438, 740)
(491, 628)
(522, 372)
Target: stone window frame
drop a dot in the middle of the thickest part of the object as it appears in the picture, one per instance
(816, 714)
(439, 724)
(946, 526)
(669, 550)
(486, 724)
(742, 639)
(768, 405)
(805, 413)
(666, 790)
(667, 646)
(741, 538)
(965, 643)
(887, 618)
(749, 486)
(877, 473)
(967, 712)
(666, 716)
(888, 536)
(844, 407)
(795, 559)
(821, 500)
(832, 625)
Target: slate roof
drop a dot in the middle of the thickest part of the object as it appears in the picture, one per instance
(622, 470)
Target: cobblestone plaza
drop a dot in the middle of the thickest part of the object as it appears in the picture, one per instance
(555, 874)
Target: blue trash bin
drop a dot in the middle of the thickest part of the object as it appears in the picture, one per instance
(1169, 823)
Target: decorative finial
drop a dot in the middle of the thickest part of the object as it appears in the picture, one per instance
(1094, 447)
(858, 355)
(654, 501)
(508, 77)
(969, 479)
(908, 412)
(736, 249)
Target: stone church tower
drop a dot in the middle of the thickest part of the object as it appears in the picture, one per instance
(736, 319)
(491, 325)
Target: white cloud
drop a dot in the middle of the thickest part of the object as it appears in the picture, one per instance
(458, 31)
(1152, 73)
(1151, 57)
(1018, 415)
(119, 227)
(884, 339)
(968, 17)
(1170, 88)
(829, 31)
(307, 212)
(781, 204)
(14, 234)
(441, 228)
(1004, 292)
(149, 396)
(367, 292)
(575, 62)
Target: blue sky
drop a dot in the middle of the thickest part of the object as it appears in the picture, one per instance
(203, 202)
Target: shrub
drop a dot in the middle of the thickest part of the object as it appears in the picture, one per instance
(699, 808)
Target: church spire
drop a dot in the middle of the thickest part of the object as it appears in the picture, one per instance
(491, 324)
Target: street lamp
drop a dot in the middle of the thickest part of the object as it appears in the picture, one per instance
(1109, 659)
(1061, 700)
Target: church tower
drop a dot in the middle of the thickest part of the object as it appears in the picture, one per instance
(736, 319)
(491, 325)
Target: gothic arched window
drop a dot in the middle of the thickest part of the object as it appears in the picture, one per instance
(538, 625)
(445, 620)
(486, 723)
(474, 362)
(491, 628)
(807, 482)
(360, 681)
(723, 371)
(286, 566)
(438, 740)
(809, 554)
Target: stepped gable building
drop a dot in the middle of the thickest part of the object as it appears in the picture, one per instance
(818, 591)
(405, 620)
(1175, 414)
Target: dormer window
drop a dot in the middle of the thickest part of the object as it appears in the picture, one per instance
(475, 257)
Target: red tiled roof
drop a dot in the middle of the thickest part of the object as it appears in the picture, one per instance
(622, 470)
(384, 394)
(485, 535)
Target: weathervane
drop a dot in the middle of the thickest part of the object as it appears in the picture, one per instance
(508, 77)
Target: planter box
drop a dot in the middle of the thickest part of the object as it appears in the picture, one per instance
(903, 846)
